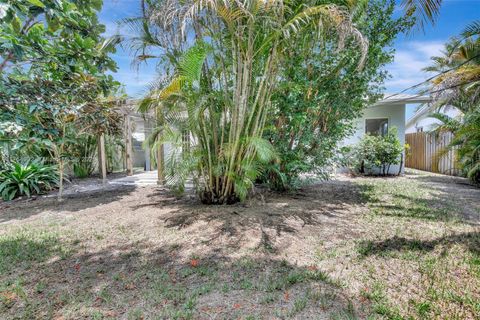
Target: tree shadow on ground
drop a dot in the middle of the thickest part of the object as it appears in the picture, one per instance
(434, 209)
(146, 281)
(23, 209)
(439, 198)
(469, 240)
(453, 188)
(266, 214)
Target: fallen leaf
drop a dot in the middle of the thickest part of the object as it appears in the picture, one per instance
(8, 298)
(194, 262)
(130, 286)
(111, 314)
(9, 295)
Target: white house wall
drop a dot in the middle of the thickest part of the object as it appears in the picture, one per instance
(395, 113)
(427, 123)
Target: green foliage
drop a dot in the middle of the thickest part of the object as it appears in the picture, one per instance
(467, 138)
(218, 84)
(83, 155)
(323, 90)
(458, 86)
(53, 79)
(33, 177)
(375, 152)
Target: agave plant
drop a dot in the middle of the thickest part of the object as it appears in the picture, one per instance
(26, 179)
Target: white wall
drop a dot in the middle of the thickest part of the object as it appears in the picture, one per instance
(395, 113)
(427, 123)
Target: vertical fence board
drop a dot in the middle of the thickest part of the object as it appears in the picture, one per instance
(424, 148)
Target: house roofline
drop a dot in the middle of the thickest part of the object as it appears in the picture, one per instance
(420, 112)
(402, 98)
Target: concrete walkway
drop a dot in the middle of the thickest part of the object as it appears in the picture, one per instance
(148, 178)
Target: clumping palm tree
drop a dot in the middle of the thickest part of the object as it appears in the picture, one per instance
(219, 60)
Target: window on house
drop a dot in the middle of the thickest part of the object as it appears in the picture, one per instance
(419, 129)
(376, 126)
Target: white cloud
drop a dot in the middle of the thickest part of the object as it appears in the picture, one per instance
(410, 59)
(430, 49)
(136, 83)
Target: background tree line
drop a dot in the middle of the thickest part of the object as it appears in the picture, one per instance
(54, 91)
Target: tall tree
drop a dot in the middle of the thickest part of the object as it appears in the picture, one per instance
(54, 63)
(458, 85)
(324, 89)
(225, 81)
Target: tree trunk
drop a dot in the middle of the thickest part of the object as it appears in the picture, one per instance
(128, 146)
(401, 164)
(102, 160)
(160, 153)
(60, 182)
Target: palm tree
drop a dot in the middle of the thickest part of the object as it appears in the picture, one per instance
(424, 11)
(221, 62)
(459, 86)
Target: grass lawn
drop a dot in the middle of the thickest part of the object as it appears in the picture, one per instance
(353, 248)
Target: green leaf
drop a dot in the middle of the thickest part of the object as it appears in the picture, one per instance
(16, 24)
(37, 3)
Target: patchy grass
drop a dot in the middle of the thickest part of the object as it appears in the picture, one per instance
(428, 238)
(376, 248)
(26, 247)
(406, 199)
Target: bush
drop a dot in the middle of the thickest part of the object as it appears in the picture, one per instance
(27, 179)
(378, 152)
(83, 151)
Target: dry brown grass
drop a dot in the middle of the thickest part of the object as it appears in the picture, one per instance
(388, 248)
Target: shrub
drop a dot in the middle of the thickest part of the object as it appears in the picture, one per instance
(83, 152)
(378, 152)
(27, 179)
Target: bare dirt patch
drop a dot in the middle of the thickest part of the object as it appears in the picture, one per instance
(342, 249)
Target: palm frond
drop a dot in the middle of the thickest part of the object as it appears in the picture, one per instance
(424, 11)
(191, 62)
(264, 150)
(473, 29)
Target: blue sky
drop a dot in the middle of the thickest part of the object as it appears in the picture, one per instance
(412, 51)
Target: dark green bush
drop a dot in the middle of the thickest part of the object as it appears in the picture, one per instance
(375, 152)
(30, 178)
(83, 152)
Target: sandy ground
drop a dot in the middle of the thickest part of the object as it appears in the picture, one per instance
(323, 252)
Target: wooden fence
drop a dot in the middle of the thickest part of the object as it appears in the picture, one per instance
(425, 150)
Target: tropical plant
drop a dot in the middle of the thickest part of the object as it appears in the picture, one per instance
(322, 92)
(467, 138)
(378, 153)
(83, 153)
(53, 68)
(33, 177)
(424, 11)
(223, 83)
(458, 86)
